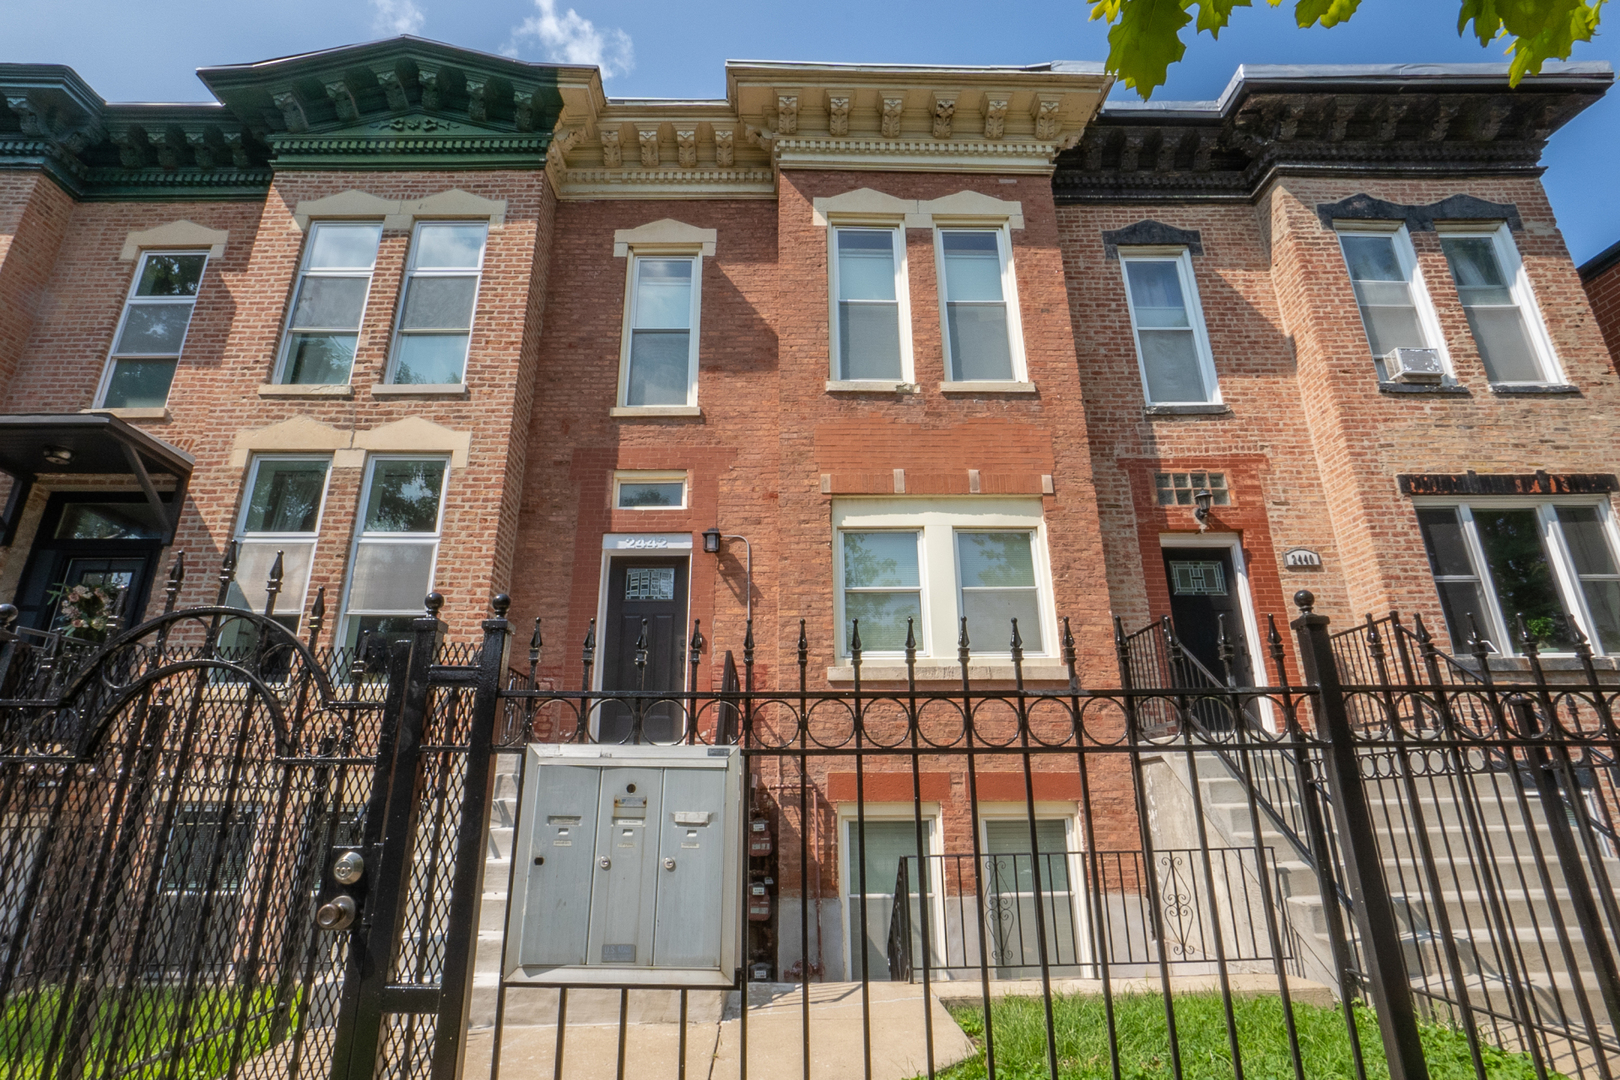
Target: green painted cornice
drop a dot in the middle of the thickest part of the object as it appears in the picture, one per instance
(403, 103)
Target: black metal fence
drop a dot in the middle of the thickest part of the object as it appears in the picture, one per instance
(1178, 870)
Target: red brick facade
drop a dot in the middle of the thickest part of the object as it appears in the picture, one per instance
(1311, 445)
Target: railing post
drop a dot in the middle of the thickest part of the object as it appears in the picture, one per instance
(1358, 843)
(467, 877)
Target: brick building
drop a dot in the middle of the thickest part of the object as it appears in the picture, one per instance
(1602, 281)
(917, 342)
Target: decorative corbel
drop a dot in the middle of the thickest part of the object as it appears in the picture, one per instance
(429, 82)
(686, 148)
(1045, 113)
(200, 150)
(648, 138)
(995, 116)
(944, 111)
(787, 114)
(760, 137)
(477, 111)
(891, 110)
(523, 109)
(398, 99)
(725, 143)
(838, 113)
(612, 157)
(168, 154)
(292, 112)
(1387, 124)
(133, 149)
(236, 143)
(32, 122)
(343, 101)
(1444, 114)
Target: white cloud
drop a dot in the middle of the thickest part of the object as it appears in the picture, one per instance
(396, 17)
(569, 38)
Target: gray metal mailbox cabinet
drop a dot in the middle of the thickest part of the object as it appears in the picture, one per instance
(628, 863)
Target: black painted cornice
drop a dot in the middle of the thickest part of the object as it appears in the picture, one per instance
(1338, 121)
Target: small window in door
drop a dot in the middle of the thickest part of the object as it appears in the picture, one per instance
(1197, 578)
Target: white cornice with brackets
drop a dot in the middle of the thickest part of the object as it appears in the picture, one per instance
(1006, 120)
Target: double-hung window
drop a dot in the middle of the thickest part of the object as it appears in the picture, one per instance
(936, 562)
(660, 362)
(1553, 565)
(280, 513)
(871, 336)
(1495, 295)
(152, 331)
(1172, 345)
(981, 334)
(435, 316)
(1389, 291)
(396, 545)
(323, 327)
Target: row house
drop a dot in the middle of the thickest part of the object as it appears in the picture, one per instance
(930, 348)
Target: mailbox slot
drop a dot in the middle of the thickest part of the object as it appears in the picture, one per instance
(628, 867)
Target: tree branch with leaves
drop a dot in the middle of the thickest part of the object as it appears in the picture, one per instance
(1144, 36)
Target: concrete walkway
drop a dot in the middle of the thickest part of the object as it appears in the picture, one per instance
(714, 1035)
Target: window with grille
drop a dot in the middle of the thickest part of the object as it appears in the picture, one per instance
(1178, 488)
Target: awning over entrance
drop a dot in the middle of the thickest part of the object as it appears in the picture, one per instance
(83, 443)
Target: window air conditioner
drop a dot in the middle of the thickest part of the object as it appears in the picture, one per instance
(1414, 366)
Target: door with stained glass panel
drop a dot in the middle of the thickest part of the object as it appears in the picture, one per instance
(646, 609)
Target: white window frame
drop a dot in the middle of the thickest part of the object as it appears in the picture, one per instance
(1507, 254)
(632, 278)
(131, 300)
(635, 476)
(360, 537)
(937, 521)
(1195, 317)
(399, 332)
(1422, 300)
(1501, 635)
(1009, 295)
(848, 879)
(285, 347)
(284, 540)
(902, 296)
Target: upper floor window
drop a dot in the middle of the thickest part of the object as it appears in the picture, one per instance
(660, 360)
(281, 512)
(435, 316)
(649, 491)
(323, 326)
(1389, 291)
(871, 337)
(1501, 310)
(152, 330)
(936, 562)
(1553, 565)
(982, 337)
(396, 545)
(1171, 343)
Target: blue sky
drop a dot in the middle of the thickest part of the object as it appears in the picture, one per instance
(133, 50)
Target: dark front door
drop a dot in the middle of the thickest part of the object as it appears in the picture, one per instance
(111, 542)
(1203, 588)
(646, 599)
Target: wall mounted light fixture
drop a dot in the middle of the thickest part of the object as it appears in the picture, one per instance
(1203, 499)
(711, 545)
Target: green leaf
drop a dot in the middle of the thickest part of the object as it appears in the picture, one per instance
(1538, 30)
(1144, 41)
(1213, 15)
(1326, 12)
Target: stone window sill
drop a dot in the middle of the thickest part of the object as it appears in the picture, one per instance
(1443, 389)
(979, 671)
(306, 390)
(1533, 389)
(633, 411)
(987, 387)
(870, 386)
(149, 413)
(419, 390)
(1212, 409)
(1555, 662)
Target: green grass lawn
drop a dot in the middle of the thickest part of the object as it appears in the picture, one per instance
(1082, 1041)
(148, 1033)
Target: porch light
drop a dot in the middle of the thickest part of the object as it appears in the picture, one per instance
(1203, 499)
(711, 545)
(711, 540)
(59, 455)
